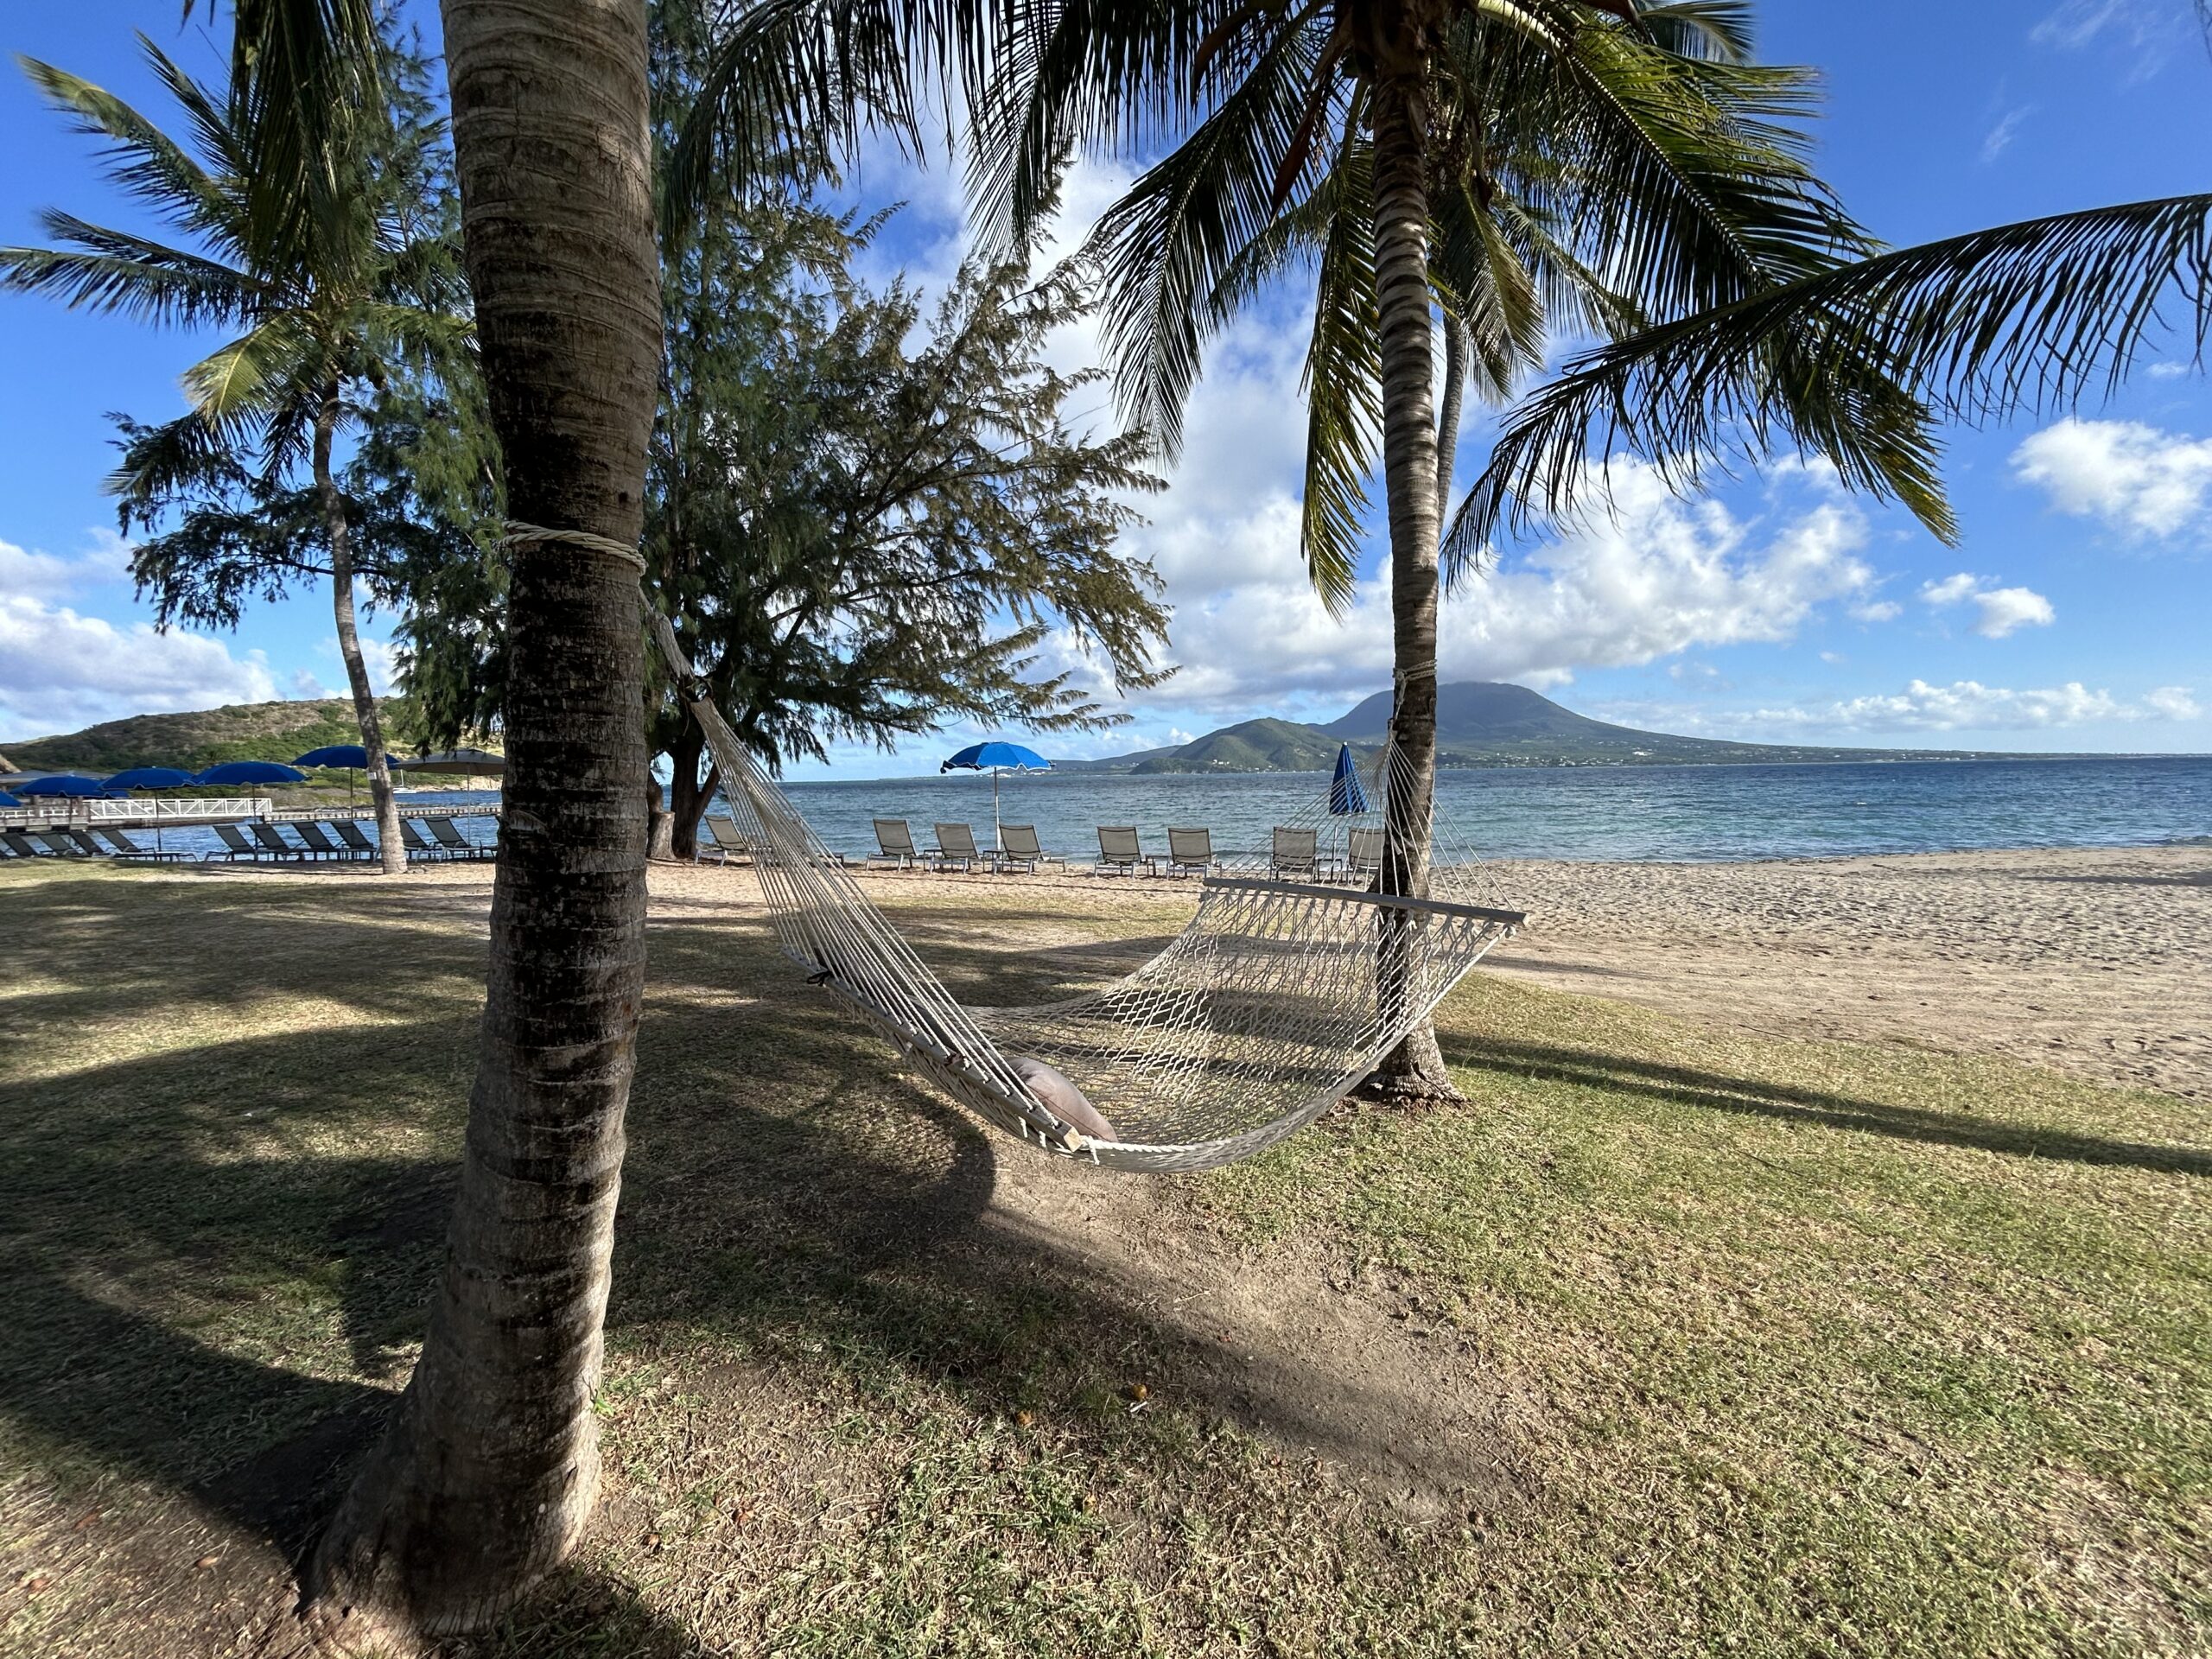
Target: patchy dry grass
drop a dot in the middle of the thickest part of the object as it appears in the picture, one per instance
(1671, 1342)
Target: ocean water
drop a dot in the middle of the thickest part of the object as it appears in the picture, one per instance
(1672, 813)
(1633, 813)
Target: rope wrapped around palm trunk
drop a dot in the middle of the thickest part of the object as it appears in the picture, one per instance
(1277, 998)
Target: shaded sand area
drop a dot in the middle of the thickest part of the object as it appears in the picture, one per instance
(1717, 1318)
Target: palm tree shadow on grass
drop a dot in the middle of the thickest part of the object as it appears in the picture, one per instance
(1787, 1102)
(786, 1187)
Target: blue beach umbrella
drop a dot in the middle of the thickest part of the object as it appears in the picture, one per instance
(996, 758)
(65, 784)
(250, 771)
(151, 778)
(1346, 798)
(6, 800)
(352, 756)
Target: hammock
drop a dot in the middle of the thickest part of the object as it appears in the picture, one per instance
(1275, 999)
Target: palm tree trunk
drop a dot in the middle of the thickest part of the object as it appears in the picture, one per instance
(1448, 415)
(490, 1466)
(390, 847)
(1415, 1070)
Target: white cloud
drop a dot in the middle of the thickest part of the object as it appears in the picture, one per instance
(1834, 658)
(1969, 705)
(59, 669)
(377, 655)
(2167, 370)
(45, 575)
(2145, 28)
(2000, 137)
(2003, 610)
(305, 685)
(1649, 577)
(1880, 610)
(2135, 477)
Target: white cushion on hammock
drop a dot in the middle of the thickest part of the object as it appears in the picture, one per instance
(1057, 1091)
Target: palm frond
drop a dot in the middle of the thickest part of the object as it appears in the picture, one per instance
(240, 384)
(305, 90)
(1718, 29)
(1165, 247)
(110, 271)
(150, 167)
(2020, 318)
(1343, 385)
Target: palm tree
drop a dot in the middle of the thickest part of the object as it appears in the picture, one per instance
(313, 322)
(489, 1468)
(1513, 169)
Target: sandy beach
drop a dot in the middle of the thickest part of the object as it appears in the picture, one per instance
(2093, 961)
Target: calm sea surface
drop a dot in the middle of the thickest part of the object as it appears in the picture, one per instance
(1613, 813)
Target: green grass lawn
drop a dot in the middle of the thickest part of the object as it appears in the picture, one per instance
(1747, 1347)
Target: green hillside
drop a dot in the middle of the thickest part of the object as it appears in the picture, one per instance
(247, 731)
(1478, 724)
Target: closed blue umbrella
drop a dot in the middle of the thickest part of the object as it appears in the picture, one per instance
(1346, 798)
(250, 771)
(152, 777)
(996, 758)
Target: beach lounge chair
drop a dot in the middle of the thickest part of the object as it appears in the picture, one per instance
(1118, 850)
(955, 844)
(86, 846)
(724, 840)
(448, 835)
(1190, 849)
(57, 843)
(357, 841)
(1018, 844)
(235, 845)
(895, 844)
(273, 842)
(1293, 853)
(20, 844)
(319, 842)
(126, 847)
(418, 845)
(1363, 859)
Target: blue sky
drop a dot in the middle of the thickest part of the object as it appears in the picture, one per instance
(2070, 618)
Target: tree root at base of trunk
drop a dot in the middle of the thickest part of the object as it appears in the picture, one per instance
(1412, 1074)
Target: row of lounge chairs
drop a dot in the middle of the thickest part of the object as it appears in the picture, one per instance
(255, 841)
(344, 839)
(1293, 853)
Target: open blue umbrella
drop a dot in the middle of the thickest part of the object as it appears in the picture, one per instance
(6, 800)
(1346, 798)
(250, 771)
(65, 784)
(152, 777)
(996, 758)
(352, 756)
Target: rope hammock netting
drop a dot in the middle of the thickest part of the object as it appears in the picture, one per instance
(1276, 999)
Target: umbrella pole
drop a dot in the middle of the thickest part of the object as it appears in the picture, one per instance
(998, 835)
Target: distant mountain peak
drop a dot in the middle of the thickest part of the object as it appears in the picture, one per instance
(1478, 723)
